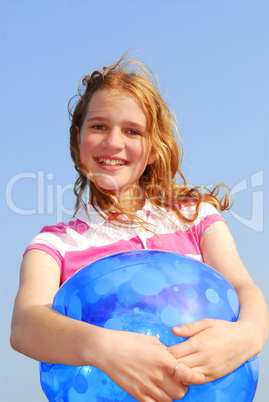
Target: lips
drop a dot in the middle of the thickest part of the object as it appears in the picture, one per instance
(105, 161)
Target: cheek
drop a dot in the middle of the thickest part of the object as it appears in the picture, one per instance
(86, 147)
(142, 154)
(139, 150)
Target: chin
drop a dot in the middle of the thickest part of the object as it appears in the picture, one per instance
(109, 185)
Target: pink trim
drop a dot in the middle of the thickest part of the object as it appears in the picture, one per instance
(178, 242)
(59, 228)
(79, 226)
(54, 253)
(183, 242)
(199, 230)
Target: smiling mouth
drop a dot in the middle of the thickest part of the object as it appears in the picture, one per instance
(111, 162)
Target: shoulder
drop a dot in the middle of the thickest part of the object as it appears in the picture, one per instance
(57, 239)
(205, 211)
(61, 232)
(74, 225)
(198, 223)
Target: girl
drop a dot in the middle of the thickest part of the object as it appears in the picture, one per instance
(124, 150)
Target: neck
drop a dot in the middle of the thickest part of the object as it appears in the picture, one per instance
(130, 201)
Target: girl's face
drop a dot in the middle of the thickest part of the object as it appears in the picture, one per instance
(114, 140)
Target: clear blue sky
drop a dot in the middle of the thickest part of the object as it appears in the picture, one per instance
(211, 59)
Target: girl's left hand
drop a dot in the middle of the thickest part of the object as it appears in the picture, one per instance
(214, 348)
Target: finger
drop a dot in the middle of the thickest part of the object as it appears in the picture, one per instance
(148, 398)
(190, 345)
(191, 357)
(186, 348)
(158, 394)
(186, 375)
(191, 328)
(192, 361)
(174, 388)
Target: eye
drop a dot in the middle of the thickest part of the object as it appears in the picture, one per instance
(132, 132)
(99, 127)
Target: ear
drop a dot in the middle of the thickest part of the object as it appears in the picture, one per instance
(152, 157)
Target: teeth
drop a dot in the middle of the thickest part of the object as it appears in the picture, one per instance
(110, 162)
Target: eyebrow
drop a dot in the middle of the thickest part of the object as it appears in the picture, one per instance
(125, 123)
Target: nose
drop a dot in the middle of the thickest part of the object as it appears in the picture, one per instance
(114, 139)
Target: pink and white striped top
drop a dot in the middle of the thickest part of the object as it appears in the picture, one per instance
(80, 241)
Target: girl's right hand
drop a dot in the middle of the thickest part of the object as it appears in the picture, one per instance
(143, 367)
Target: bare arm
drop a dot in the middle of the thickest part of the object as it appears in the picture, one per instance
(219, 251)
(217, 347)
(140, 364)
(37, 330)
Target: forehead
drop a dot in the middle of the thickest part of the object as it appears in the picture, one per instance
(113, 100)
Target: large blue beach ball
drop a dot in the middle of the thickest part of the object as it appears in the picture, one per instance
(147, 292)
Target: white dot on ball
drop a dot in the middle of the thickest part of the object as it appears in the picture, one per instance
(170, 316)
(212, 296)
(254, 366)
(136, 310)
(80, 384)
(148, 281)
(233, 301)
(175, 289)
(113, 323)
(103, 286)
(185, 268)
(187, 273)
(75, 308)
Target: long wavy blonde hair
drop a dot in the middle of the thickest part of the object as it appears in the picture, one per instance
(159, 182)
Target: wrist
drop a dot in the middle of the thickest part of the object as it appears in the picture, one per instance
(250, 338)
(91, 344)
